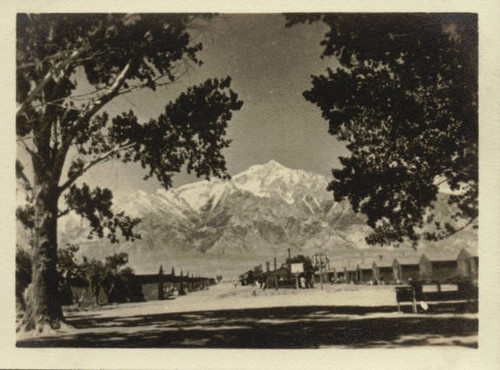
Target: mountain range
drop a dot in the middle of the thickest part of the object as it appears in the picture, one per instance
(230, 225)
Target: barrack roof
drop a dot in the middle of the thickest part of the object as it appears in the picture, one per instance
(408, 260)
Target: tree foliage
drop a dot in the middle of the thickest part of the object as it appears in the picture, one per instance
(112, 277)
(114, 54)
(117, 53)
(67, 266)
(404, 99)
(95, 205)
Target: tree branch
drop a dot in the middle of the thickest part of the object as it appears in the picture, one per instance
(104, 157)
(50, 74)
(63, 213)
(460, 228)
(26, 147)
(112, 91)
(442, 181)
(54, 56)
(129, 18)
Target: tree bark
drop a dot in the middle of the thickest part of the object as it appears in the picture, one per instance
(44, 311)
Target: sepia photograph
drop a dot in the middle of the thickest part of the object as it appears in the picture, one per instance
(246, 181)
(250, 187)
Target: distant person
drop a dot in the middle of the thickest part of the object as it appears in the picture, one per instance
(302, 282)
(255, 287)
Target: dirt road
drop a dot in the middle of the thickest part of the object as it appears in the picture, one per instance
(227, 317)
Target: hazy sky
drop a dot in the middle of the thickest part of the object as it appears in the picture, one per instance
(270, 66)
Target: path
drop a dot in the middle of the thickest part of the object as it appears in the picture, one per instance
(228, 317)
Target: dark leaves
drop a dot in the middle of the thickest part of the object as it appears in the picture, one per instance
(20, 175)
(408, 113)
(76, 167)
(99, 44)
(67, 267)
(96, 206)
(190, 132)
(26, 215)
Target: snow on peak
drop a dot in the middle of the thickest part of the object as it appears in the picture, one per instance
(274, 178)
(263, 180)
(272, 163)
(198, 194)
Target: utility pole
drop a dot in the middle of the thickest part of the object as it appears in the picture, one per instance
(160, 284)
(289, 264)
(321, 270)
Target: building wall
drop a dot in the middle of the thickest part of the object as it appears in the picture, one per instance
(410, 272)
(340, 275)
(397, 272)
(462, 267)
(437, 270)
(150, 291)
(350, 276)
(425, 269)
(467, 267)
(365, 275)
(474, 268)
(444, 270)
(385, 274)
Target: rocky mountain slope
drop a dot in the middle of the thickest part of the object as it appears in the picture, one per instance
(224, 225)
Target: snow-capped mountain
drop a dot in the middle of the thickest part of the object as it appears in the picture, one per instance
(271, 180)
(253, 217)
(258, 214)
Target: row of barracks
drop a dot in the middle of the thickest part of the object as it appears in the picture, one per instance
(151, 287)
(427, 267)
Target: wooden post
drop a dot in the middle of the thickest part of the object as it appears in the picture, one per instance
(296, 281)
(321, 270)
(160, 284)
(327, 265)
(289, 264)
(414, 299)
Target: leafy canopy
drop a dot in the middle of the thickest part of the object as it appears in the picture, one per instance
(114, 54)
(404, 99)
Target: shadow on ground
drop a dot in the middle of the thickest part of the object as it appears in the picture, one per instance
(282, 327)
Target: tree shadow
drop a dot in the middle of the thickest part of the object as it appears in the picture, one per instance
(272, 328)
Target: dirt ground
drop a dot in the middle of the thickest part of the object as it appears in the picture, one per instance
(345, 316)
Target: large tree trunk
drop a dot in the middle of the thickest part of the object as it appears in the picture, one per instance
(44, 312)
